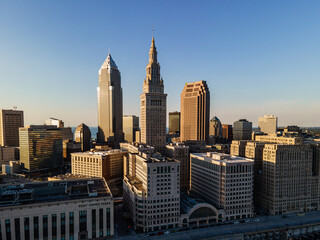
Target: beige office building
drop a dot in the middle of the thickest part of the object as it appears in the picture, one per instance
(110, 104)
(10, 121)
(63, 209)
(106, 164)
(151, 192)
(180, 152)
(130, 126)
(273, 138)
(238, 148)
(225, 181)
(153, 104)
(268, 124)
(195, 111)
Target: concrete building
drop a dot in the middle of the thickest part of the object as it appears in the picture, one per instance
(56, 122)
(227, 132)
(225, 181)
(10, 122)
(286, 180)
(106, 164)
(195, 111)
(138, 136)
(151, 192)
(110, 104)
(238, 148)
(242, 130)
(83, 135)
(180, 152)
(40, 147)
(69, 147)
(268, 124)
(174, 122)
(153, 104)
(279, 139)
(8, 154)
(215, 128)
(69, 209)
(130, 126)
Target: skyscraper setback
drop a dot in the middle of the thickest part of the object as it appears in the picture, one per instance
(153, 104)
(110, 104)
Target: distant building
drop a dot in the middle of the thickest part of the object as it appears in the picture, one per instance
(153, 102)
(180, 152)
(66, 132)
(110, 107)
(195, 111)
(8, 154)
(225, 181)
(279, 139)
(40, 147)
(65, 209)
(238, 148)
(56, 122)
(242, 130)
(10, 122)
(215, 128)
(152, 183)
(69, 146)
(83, 136)
(174, 122)
(130, 126)
(227, 132)
(268, 124)
(138, 136)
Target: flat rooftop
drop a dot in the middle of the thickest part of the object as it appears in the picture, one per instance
(52, 191)
(99, 153)
(221, 157)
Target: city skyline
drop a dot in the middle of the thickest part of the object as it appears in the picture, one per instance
(256, 58)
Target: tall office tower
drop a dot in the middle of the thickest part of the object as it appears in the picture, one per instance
(225, 181)
(268, 124)
(67, 133)
(238, 148)
(83, 135)
(10, 121)
(130, 126)
(109, 104)
(151, 192)
(40, 147)
(60, 209)
(174, 122)
(242, 130)
(215, 128)
(8, 154)
(180, 152)
(287, 179)
(153, 104)
(195, 111)
(227, 132)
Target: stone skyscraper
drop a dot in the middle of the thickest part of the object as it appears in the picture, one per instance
(153, 105)
(195, 111)
(109, 104)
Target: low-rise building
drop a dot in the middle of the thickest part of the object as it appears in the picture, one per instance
(65, 209)
(225, 181)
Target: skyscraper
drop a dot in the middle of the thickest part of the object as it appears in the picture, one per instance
(268, 124)
(242, 130)
(153, 104)
(109, 104)
(195, 111)
(215, 128)
(130, 126)
(174, 122)
(10, 121)
(83, 135)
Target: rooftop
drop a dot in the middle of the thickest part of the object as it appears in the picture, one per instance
(99, 153)
(222, 157)
(52, 191)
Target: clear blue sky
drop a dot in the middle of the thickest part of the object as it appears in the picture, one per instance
(258, 57)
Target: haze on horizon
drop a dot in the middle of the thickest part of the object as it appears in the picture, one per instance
(258, 57)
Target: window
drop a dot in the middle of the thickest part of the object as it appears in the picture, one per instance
(17, 228)
(83, 220)
(63, 225)
(36, 228)
(54, 226)
(71, 225)
(26, 228)
(45, 226)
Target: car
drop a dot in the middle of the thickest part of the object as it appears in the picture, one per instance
(166, 232)
(160, 233)
(235, 222)
(247, 220)
(152, 234)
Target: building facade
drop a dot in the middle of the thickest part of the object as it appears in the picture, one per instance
(195, 111)
(110, 108)
(227, 132)
(174, 122)
(40, 147)
(242, 130)
(130, 126)
(10, 122)
(82, 135)
(180, 152)
(215, 128)
(225, 181)
(268, 124)
(153, 104)
(238, 148)
(71, 209)
(151, 192)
